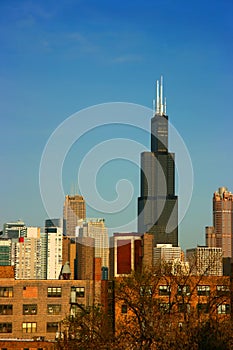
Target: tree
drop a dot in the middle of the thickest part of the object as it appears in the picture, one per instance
(156, 309)
(88, 329)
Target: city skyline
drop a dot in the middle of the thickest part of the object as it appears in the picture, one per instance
(59, 59)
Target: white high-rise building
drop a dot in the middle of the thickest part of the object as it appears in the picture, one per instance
(165, 253)
(53, 251)
(95, 228)
(27, 259)
(205, 261)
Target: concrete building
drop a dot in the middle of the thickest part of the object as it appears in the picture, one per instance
(205, 261)
(85, 248)
(53, 237)
(5, 252)
(27, 259)
(221, 233)
(125, 253)
(14, 229)
(165, 253)
(95, 228)
(74, 209)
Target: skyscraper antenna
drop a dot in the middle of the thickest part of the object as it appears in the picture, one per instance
(153, 106)
(161, 95)
(157, 97)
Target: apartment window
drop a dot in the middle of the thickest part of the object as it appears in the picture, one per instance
(203, 290)
(6, 292)
(184, 307)
(223, 309)
(80, 292)
(6, 309)
(54, 292)
(54, 309)
(145, 290)
(5, 327)
(52, 327)
(222, 290)
(203, 308)
(29, 327)
(29, 309)
(164, 290)
(183, 290)
(164, 307)
(124, 309)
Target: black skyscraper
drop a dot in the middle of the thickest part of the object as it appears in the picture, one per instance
(158, 204)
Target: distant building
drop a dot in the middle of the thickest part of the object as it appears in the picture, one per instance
(221, 233)
(27, 259)
(158, 204)
(53, 237)
(125, 253)
(205, 261)
(5, 252)
(166, 253)
(74, 209)
(95, 228)
(14, 229)
(85, 253)
(54, 223)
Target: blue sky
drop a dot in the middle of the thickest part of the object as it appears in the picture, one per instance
(58, 57)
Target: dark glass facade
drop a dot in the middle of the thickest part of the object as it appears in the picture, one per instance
(158, 204)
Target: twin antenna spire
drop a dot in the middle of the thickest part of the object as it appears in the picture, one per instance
(160, 104)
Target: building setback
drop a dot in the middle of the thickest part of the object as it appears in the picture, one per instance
(158, 204)
(221, 233)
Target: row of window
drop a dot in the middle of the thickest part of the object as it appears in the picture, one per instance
(223, 309)
(201, 290)
(29, 327)
(30, 309)
(52, 292)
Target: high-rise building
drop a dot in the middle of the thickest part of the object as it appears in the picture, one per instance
(221, 233)
(74, 209)
(125, 253)
(27, 259)
(158, 204)
(165, 253)
(206, 261)
(14, 229)
(5, 252)
(53, 237)
(95, 228)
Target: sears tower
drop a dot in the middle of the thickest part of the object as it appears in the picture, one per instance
(158, 204)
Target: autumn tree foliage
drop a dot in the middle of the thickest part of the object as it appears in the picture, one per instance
(158, 309)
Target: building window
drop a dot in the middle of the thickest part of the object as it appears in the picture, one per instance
(77, 292)
(53, 309)
(52, 327)
(80, 292)
(164, 290)
(203, 308)
(124, 309)
(29, 309)
(6, 309)
(183, 290)
(29, 327)
(203, 290)
(184, 308)
(6, 292)
(223, 290)
(164, 308)
(5, 327)
(223, 309)
(54, 292)
(145, 290)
